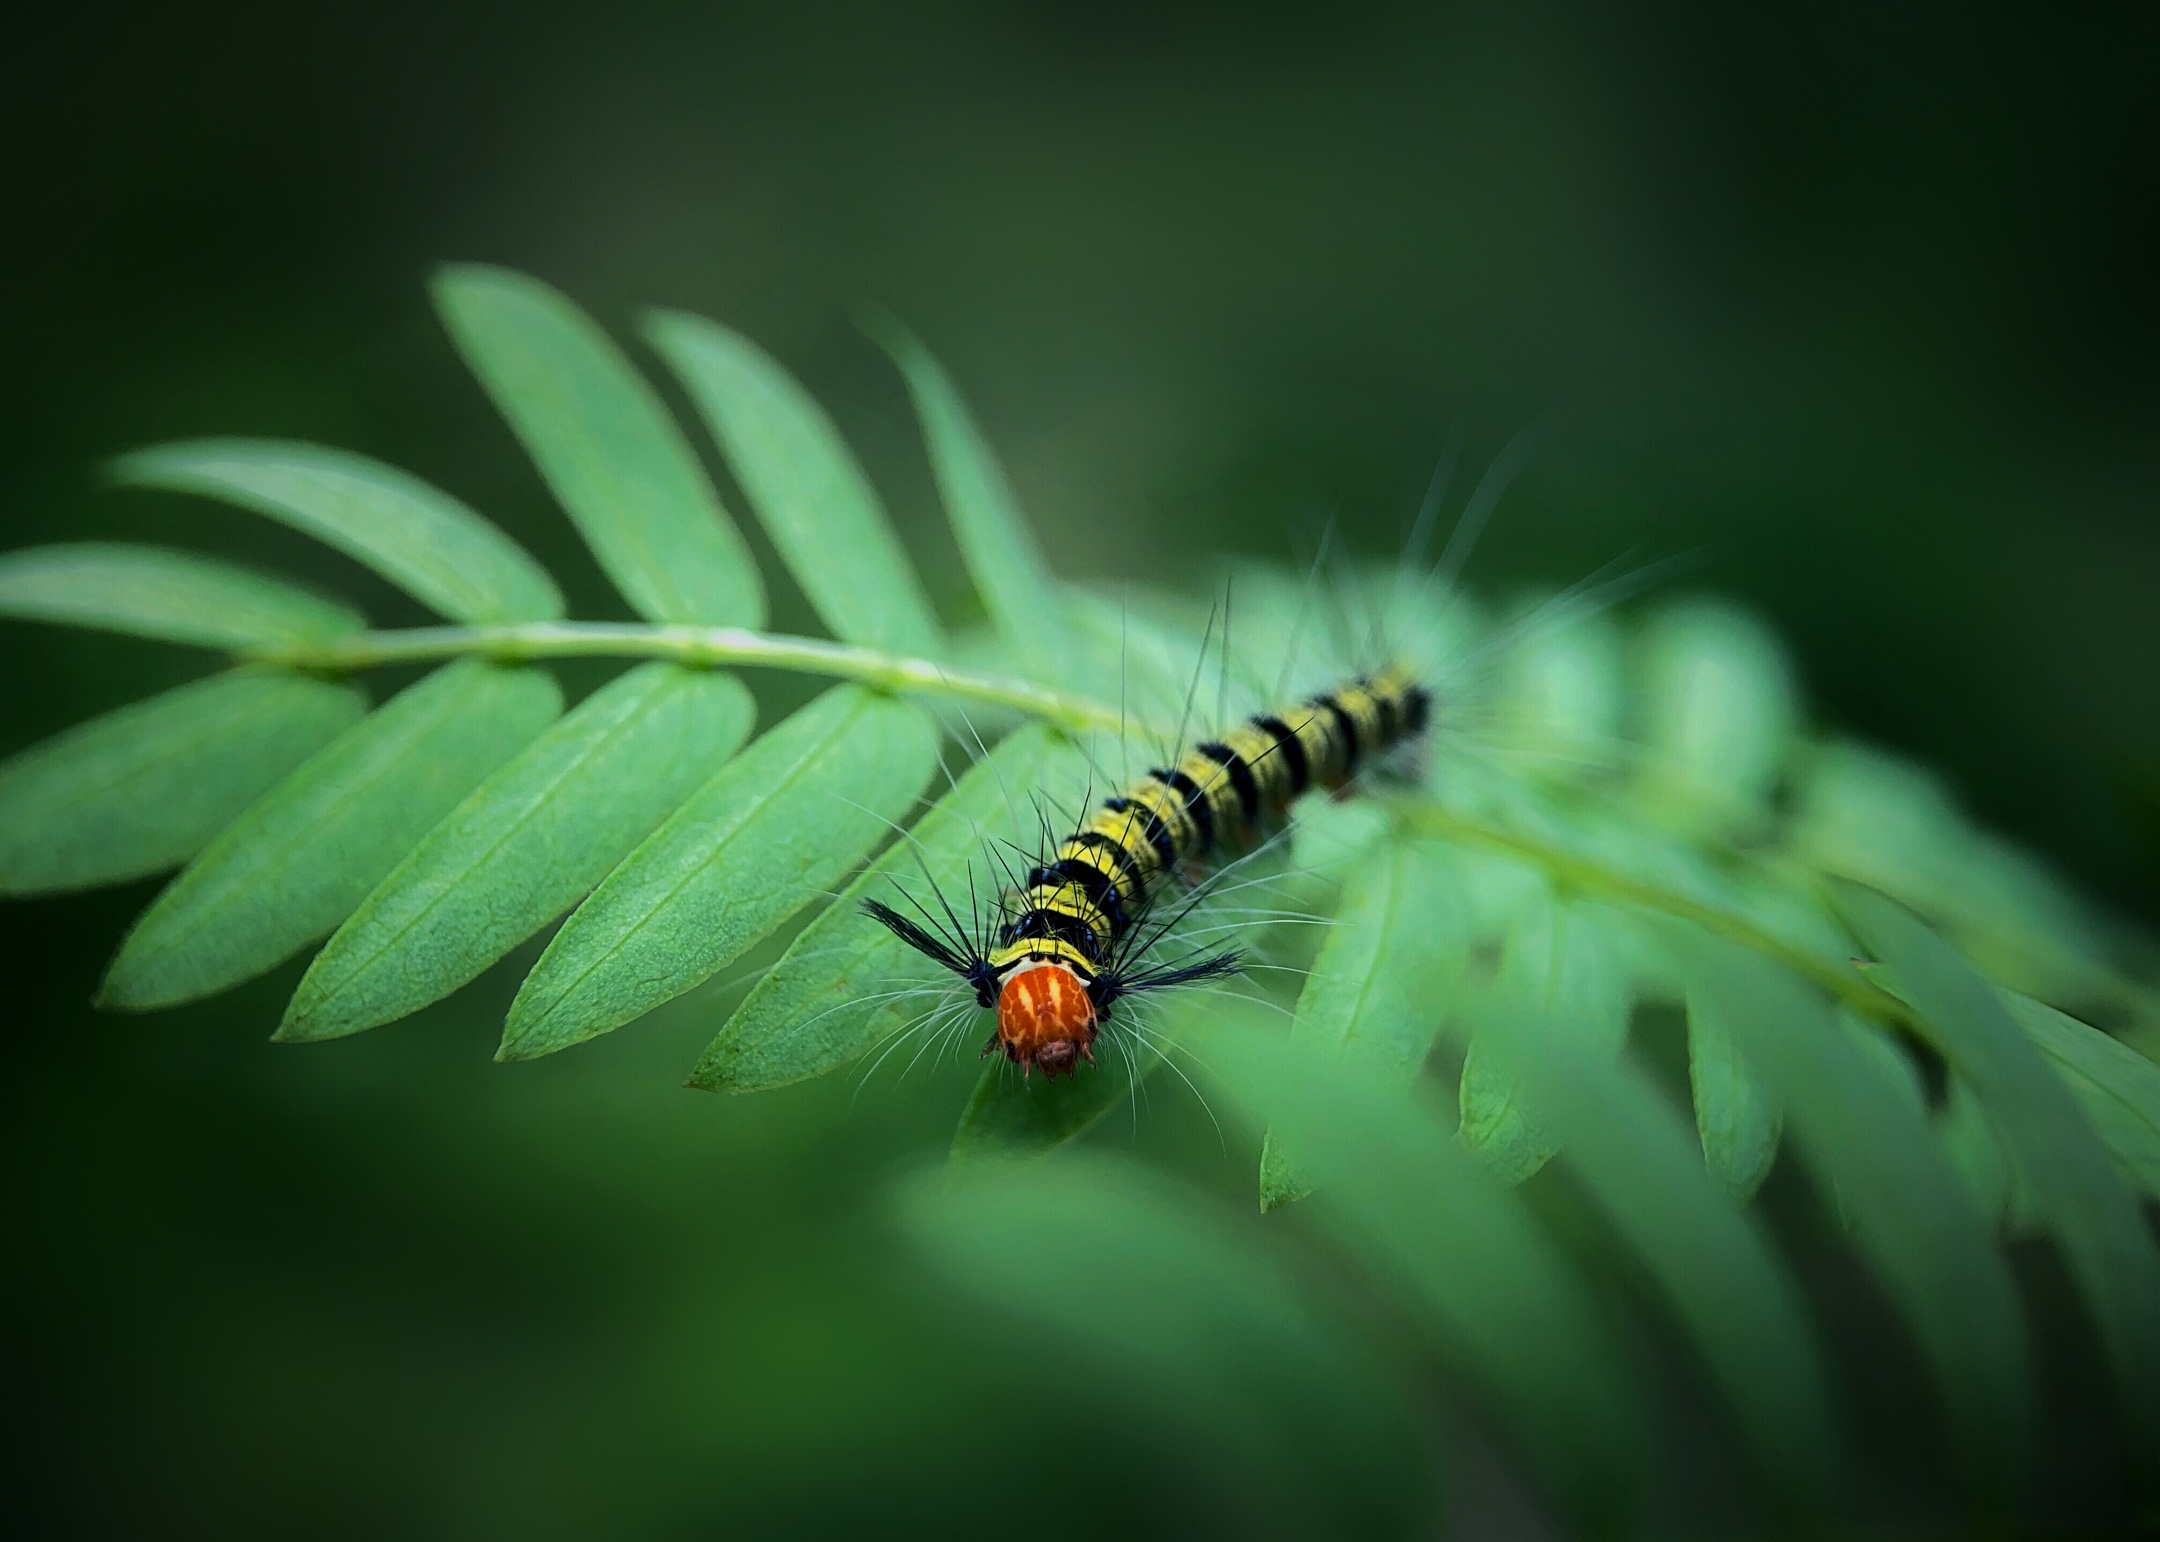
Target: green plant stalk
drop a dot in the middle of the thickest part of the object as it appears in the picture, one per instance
(705, 646)
(709, 646)
(1565, 868)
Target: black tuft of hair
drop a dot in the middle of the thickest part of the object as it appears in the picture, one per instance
(965, 963)
(1216, 966)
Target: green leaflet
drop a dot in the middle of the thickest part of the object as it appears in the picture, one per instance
(1561, 956)
(1007, 1116)
(524, 847)
(846, 983)
(1180, 1317)
(762, 838)
(1883, 821)
(2118, 1087)
(1718, 710)
(173, 596)
(296, 863)
(1013, 1116)
(1560, 690)
(420, 538)
(1887, 1051)
(1391, 962)
(606, 446)
(1139, 651)
(805, 484)
(1332, 838)
(1712, 1262)
(1511, 1144)
(1858, 1127)
(2078, 1195)
(1461, 1252)
(1000, 550)
(1987, 1167)
(1385, 978)
(1735, 1119)
(143, 788)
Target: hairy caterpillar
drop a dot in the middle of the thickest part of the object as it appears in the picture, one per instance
(1076, 933)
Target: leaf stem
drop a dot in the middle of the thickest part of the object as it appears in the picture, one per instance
(1847, 985)
(715, 645)
(699, 645)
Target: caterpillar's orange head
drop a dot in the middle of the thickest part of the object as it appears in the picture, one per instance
(1045, 1018)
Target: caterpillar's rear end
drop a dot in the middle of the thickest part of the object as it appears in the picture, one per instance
(1074, 940)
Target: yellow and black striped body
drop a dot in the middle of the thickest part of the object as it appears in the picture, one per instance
(1078, 906)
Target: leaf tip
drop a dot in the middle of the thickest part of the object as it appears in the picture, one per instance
(452, 274)
(314, 1016)
(536, 1035)
(888, 331)
(139, 467)
(460, 289)
(523, 1036)
(122, 992)
(1280, 1183)
(299, 1025)
(665, 328)
(125, 987)
(713, 1073)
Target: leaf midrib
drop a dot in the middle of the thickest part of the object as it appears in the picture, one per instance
(199, 731)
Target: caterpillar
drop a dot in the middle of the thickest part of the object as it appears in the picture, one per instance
(1075, 932)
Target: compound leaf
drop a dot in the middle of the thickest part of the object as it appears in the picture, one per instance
(1010, 1115)
(523, 847)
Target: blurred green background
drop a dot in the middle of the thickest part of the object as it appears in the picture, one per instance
(1853, 307)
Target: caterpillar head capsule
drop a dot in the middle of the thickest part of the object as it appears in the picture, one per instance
(1045, 1018)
